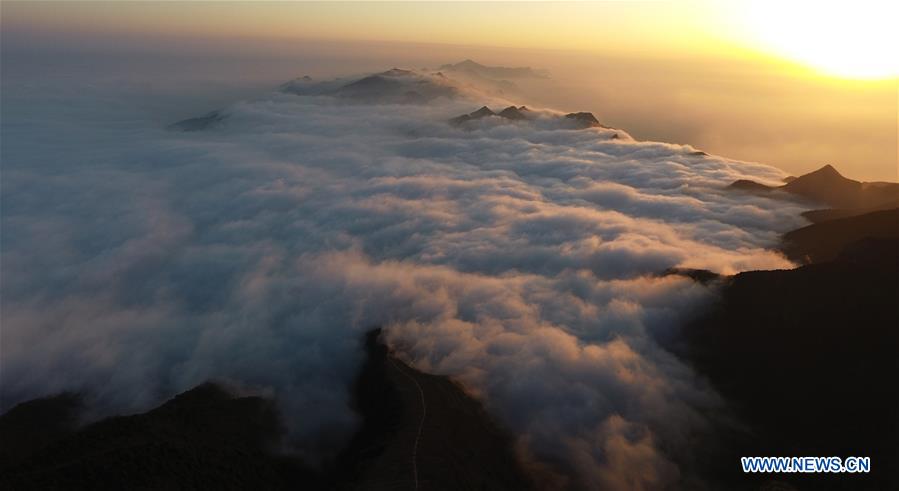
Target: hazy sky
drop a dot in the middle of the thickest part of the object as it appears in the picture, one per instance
(743, 79)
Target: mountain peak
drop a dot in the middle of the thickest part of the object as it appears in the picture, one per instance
(512, 112)
(845, 197)
(584, 119)
(469, 62)
(483, 111)
(826, 175)
(827, 185)
(827, 170)
(397, 72)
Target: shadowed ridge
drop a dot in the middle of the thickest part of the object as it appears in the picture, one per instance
(827, 186)
(393, 86)
(513, 113)
(33, 425)
(210, 120)
(818, 216)
(382, 411)
(204, 438)
(397, 72)
(361, 87)
(467, 64)
(581, 120)
(806, 358)
(423, 428)
(582, 116)
(483, 112)
(824, 241)
(846, 197)
(415, 428)
(702, 276)
(585, 120)
(750, 185)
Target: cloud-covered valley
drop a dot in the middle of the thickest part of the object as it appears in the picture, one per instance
(520, 257)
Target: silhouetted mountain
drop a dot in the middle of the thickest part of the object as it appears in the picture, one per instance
(423, 432)
(483, 112)
(807, 358)
(513, 112)
(494, 72)
(416, 428)
(824, 241)
(584, 119)
(33, 425)
(394, 86)
(203, 438)
(579, 120)
(749, 185)
(825, 185)
(702, 276)
(398, 86)
(818, 216)
(197, 124)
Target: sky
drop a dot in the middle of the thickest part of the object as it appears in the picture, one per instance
(761, 81)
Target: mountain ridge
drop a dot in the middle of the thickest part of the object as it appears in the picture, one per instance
(845, 197)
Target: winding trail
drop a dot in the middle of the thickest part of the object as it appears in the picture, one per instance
(428, 421)
(421, 423)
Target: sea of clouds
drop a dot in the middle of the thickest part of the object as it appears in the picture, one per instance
(520, 258)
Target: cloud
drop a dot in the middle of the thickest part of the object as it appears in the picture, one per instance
(518, 257)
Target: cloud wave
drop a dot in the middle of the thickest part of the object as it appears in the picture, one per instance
(519, 257)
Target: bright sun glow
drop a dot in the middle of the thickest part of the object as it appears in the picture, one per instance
(856, 39)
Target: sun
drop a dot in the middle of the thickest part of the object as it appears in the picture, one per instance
(853, 39)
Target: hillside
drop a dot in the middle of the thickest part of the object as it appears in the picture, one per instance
(419, 431)
(825, 240)
(807, 358)
(845, 197)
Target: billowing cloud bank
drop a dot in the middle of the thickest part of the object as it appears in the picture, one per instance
(518, 257)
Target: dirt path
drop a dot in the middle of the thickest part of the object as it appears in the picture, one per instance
(421, 423)
(422, 432)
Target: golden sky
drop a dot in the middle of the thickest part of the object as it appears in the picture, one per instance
(837, 38)
(795, 83)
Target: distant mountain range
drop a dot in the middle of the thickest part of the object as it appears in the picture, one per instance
(579, 120)
(827, 186)
(494, 72)
(208, 121)
(860, 210)
(203, 438)
(395, 86)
